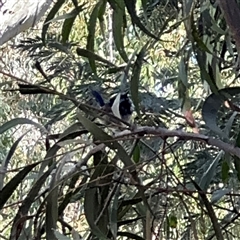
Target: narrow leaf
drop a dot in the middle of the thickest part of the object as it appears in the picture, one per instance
(11, 186)
(102, 136)
(118, 15)
(50, 16)
(135, 80)
(209, 174)
(68, 23)
(131, 7)
(91, 33)
(212, 105)
(92, 56)
(14, 122)
(7, 160)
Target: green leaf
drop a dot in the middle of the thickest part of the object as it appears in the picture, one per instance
(93, 205)
(50, 16)
(218, 194)
(93, 56)
(91, 33)
(108, 141)
(101, 14)
(212, 105)
(183, 72)
(135, 80)
(225, 171)
(229, 124)
(7, 160)
(131, 7)
(114, 213)
(11, 186)
(68, 23)
(172, 221)
(237, 166)
(136, 154)
(118, 31)
(209, 174)
(52, 206)
(16, 121)
(29, 200)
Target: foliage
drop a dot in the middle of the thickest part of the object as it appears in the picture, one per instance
(72, 178)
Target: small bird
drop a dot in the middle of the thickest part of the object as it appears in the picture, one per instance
(120, 105)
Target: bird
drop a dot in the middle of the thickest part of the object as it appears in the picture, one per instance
(120, 105)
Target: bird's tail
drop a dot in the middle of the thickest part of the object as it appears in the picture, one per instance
(98, 98)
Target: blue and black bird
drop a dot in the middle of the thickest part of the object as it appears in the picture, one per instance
(125, 104)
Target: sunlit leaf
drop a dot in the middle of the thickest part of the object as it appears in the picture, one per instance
(102, 136)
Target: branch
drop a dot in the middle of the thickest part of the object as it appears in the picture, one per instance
(165, 133)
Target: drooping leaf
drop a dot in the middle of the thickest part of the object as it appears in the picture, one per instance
(28, 201)
(50, 16)
(209, 174)
(68, 23)
(16, 121)
(212, 105)
(135, 80)
(225, 171)
(52, 204)
(102, 136)
(118, 31)
(92, 56)
(11, 186)
(131, 7)
(6, 161)
(91, 33)
(114, 213)
(94, 203)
